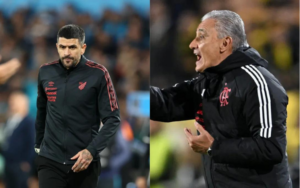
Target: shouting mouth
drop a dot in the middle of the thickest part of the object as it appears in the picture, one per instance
(198, 55)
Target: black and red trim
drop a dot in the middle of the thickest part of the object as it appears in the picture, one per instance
(110, 88)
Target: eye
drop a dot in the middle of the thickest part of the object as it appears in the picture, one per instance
(199, 38)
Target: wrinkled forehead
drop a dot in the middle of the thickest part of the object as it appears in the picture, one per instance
(67, 42)
(206, 26)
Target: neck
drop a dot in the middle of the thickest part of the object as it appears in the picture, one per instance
(223, 56)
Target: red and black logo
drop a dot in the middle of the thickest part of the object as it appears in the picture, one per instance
(81, 85)
(50, 84)
(199, 116)
(51, 92)
(224, 96)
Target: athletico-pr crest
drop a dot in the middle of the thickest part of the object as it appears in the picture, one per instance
(81, 85)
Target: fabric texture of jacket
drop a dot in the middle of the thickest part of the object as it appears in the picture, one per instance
(243, 106)
(71, 103)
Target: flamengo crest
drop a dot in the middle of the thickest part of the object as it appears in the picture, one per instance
(224, 96)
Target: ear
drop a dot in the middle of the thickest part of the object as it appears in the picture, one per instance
(83, 47)
(226, 44)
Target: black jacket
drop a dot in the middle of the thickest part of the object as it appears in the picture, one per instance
(243, 106)
(71, 103)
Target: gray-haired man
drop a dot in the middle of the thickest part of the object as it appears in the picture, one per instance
(238, 105)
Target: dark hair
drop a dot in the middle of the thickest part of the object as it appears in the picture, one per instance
(72, 31)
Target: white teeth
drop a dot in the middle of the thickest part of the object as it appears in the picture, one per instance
(197, 53)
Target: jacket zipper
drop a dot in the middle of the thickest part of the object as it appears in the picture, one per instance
(65, 123)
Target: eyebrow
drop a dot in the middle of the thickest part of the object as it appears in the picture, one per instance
(71, 46)
(202, 30)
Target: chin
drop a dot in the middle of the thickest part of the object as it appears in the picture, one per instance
(199, 69)
(67, 66)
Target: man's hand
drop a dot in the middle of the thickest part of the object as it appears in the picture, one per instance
(83, 161)
(199, 143)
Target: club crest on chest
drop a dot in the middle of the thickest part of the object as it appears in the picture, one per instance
(81, 85)
(224, 96)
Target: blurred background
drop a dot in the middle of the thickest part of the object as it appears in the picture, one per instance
(272, 27)
(117, 36)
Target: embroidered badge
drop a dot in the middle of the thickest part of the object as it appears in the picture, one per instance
(224, 96)
(51, 92)
(81, 85)
(51, 84)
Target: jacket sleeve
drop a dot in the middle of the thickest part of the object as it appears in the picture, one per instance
(265, 115)
(109, 113)
(41, 113)
(172, 104)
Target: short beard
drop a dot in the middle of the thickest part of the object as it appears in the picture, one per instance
(75, 61)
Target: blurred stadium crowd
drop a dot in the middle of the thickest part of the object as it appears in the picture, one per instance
(272, 27)
(119, 40)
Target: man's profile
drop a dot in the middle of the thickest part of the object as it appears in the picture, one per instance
(238, 106)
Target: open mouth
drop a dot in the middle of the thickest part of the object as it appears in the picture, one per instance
(197, 54)
(198, 57)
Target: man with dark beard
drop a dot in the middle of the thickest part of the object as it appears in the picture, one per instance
(74, 95)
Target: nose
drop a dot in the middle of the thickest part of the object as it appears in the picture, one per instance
(66, 52)
(193, 44)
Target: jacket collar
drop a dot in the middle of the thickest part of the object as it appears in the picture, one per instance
(241, 57)
(210, 78)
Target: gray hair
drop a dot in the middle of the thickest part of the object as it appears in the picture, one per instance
(229, 23)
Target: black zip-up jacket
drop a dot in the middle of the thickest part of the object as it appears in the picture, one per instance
(243, 106)
(71, 103)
